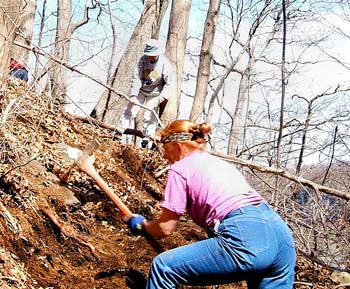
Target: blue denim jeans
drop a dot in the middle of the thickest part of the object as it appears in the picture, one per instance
(252, 243)
(20, 73)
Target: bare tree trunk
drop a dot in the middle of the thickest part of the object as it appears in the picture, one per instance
(283, 81)
(205, 60)
(58, 73)
(110, 106)
(332, 155)
(110, 63)
(175, 50)
(275, 193)
(303, 138)
(42, 24)
(65, 30)
(310, 111)
(241, 100)
(25, 31)
(10, 19)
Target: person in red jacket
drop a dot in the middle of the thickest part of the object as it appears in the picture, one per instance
(18, 70)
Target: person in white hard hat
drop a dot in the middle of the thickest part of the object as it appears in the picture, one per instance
(152, 85)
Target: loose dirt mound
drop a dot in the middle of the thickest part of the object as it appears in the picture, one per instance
(57, 228)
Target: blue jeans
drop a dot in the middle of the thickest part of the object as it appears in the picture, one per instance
(252, 243)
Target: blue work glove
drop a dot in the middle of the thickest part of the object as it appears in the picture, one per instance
(135, 224)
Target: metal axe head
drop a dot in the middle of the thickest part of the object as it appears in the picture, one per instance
(84, 160)
(81, 158)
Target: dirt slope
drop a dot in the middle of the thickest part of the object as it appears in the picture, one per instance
(58, 229)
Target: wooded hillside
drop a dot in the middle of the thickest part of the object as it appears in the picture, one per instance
(270, 77)
(59, 230)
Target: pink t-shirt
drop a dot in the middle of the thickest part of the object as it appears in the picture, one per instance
(207, 187)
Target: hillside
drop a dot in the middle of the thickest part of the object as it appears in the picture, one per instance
(57, 228)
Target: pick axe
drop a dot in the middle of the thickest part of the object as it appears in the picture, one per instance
(85, 164)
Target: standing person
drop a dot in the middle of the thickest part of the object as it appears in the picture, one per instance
(247, 240)
(18, 70)
(152, 85)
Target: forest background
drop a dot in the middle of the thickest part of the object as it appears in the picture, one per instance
(272, 77)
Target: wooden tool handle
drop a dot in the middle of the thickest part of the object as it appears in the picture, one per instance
(116, 200)
(86, 166)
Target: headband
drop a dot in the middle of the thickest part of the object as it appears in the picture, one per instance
(182, 136)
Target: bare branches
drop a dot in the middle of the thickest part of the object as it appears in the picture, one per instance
(287, 175)
(38, 50)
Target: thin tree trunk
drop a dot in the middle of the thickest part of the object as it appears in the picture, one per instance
(303, 139)
(110, 63)
(10, 19)
(63, 36)
(241, 100)
(332, 156)
(175, 50)
(205, 61)
(274, 197)
(42, 25)
(65, 30)
(283, 81)
(25, 31)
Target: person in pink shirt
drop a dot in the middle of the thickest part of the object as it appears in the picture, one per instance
(247, 239)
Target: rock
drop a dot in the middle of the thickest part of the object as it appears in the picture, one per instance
(340, 277)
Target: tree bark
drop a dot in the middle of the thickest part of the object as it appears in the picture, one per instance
(10, 19)
(205, 60)
(64, 32)
(175, 50)
(25, 31)
(110, 106)
(58, 75)
(237, 120)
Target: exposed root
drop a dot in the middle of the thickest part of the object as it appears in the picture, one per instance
(72, 235)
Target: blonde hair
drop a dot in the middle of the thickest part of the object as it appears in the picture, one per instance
(197, 131)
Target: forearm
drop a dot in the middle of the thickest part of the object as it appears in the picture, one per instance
(158, 229)
(162, 227)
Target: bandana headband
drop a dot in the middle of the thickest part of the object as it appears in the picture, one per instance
(182, 136)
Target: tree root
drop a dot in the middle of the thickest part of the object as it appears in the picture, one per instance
(72, 235)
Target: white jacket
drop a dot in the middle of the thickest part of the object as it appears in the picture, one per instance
(153, 79)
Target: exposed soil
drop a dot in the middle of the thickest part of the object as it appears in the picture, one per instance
(57, 228)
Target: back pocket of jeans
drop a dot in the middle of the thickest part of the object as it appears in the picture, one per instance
(254, 234)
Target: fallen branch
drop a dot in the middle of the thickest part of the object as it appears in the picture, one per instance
(7, 111)
(91, 120)
(279, 172)
(65, 232)
(303, 283)
(19, 166)
(161, 172)
(287, 175)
